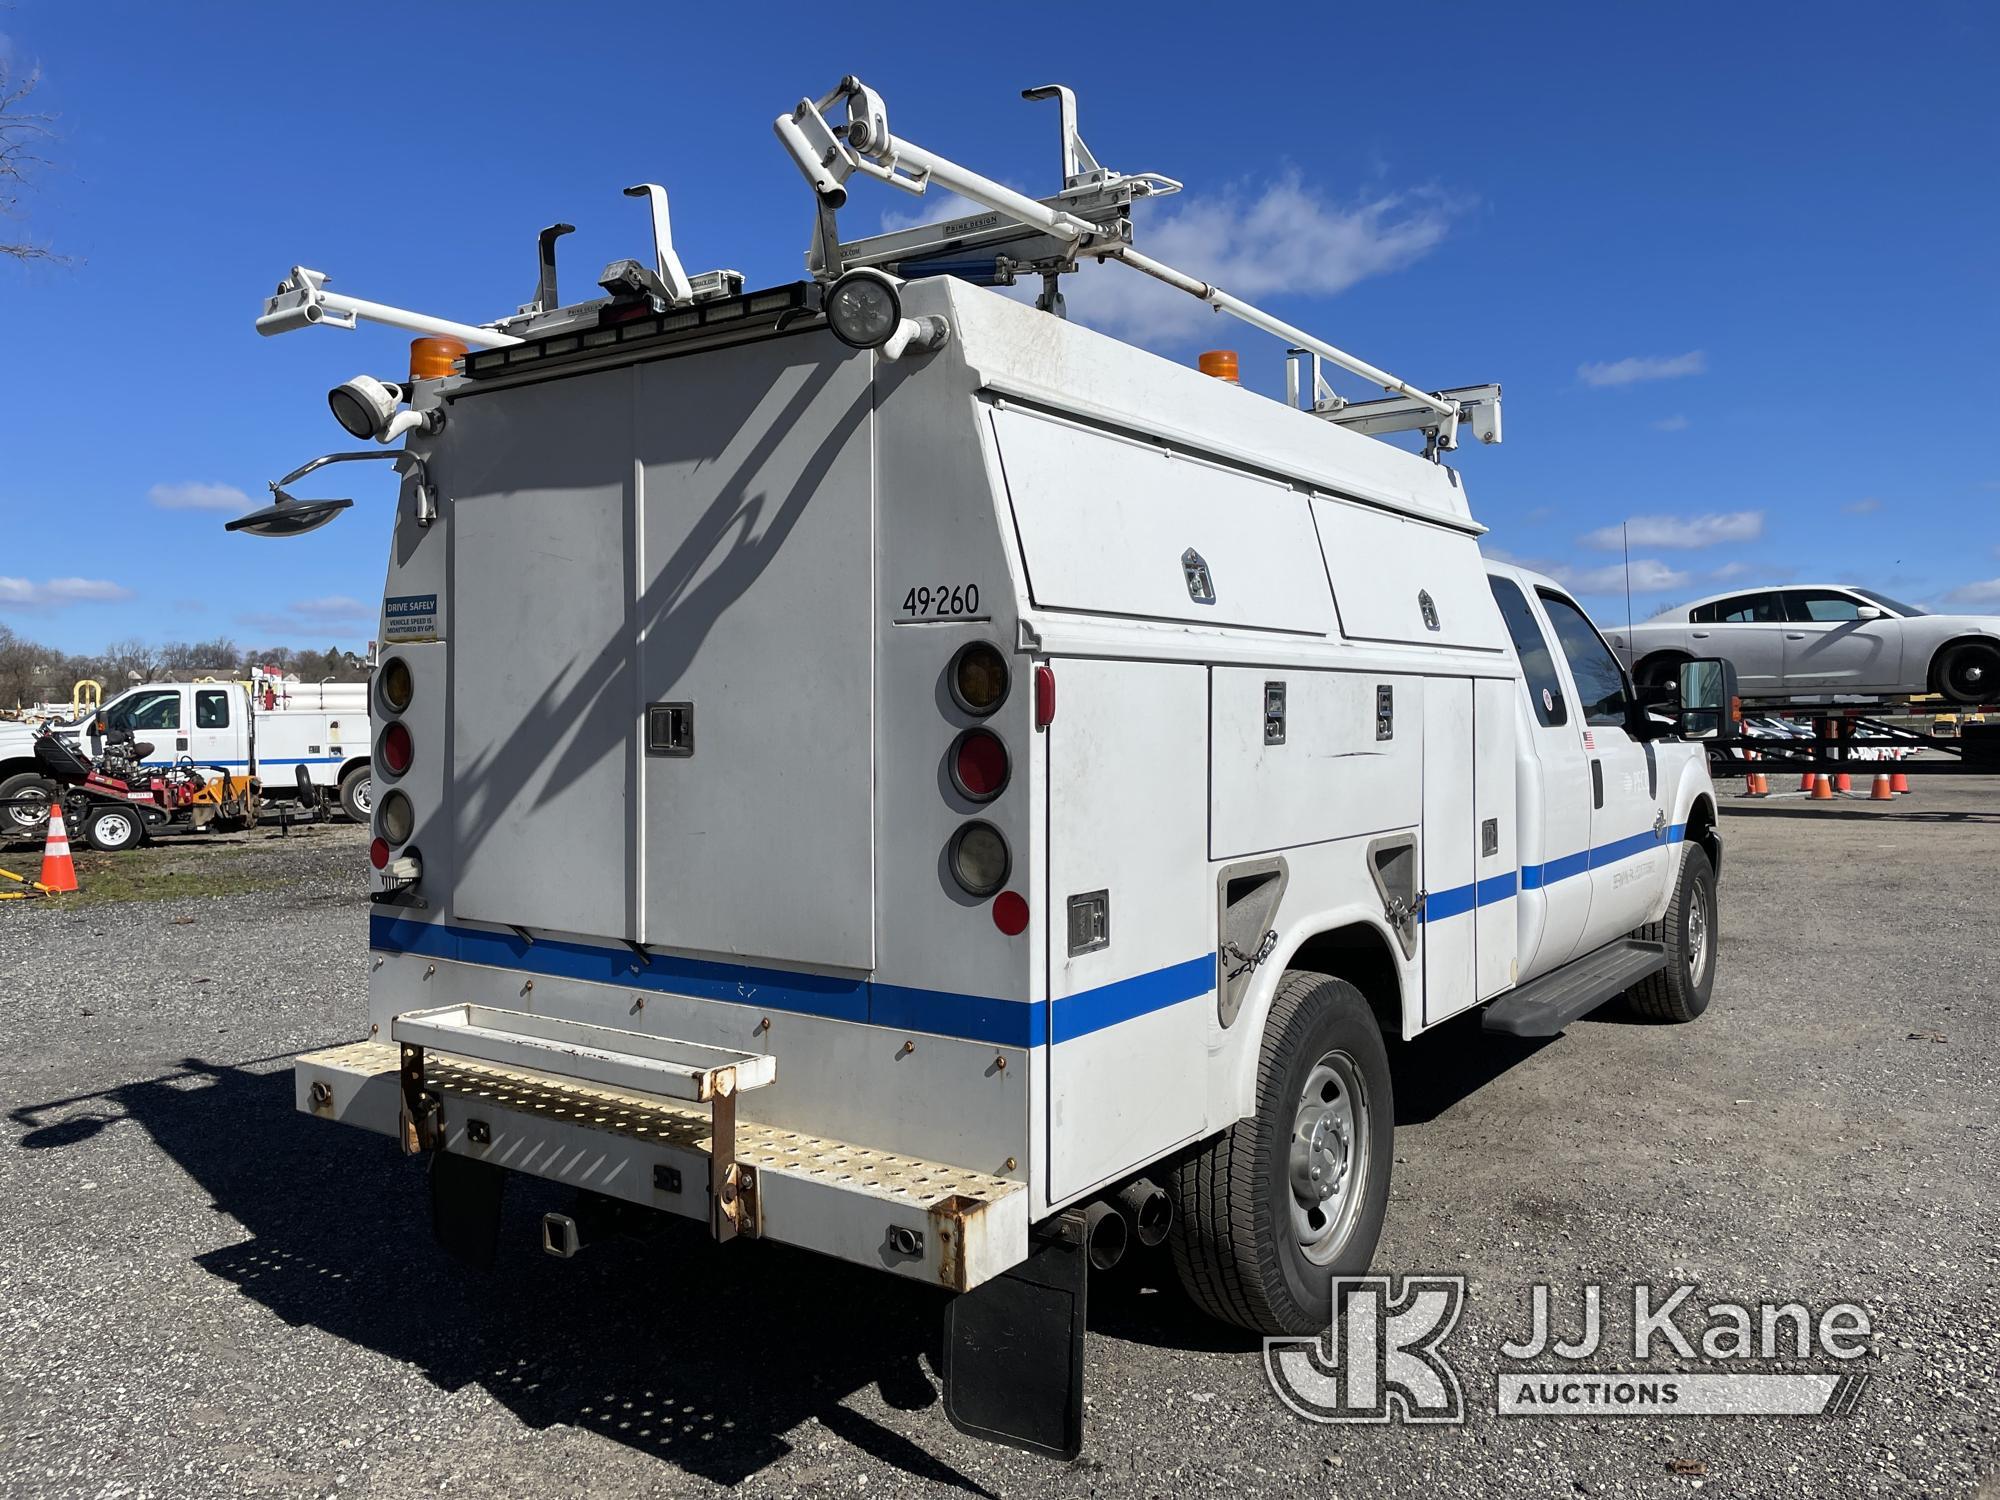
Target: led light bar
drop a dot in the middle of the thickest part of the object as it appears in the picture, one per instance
(621, 328)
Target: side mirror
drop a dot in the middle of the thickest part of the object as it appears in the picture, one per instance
(1868, 612)
(1710, 707)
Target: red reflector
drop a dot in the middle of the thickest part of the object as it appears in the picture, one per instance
(397, 749)
(1010, 913)
(378, 853)
(1045, 696)
(979, 764)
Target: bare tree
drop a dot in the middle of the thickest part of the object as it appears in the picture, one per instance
(23, 133)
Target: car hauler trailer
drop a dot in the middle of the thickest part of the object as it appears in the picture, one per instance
(894, 772)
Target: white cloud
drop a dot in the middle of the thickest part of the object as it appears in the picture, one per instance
(1675, 423)
(25, 593)
(1679, 531)
(1985, 592)
(1866, 506)
(195, 495)
(1728, 571)
(1644, 367)
(1649, 575)
(1285, 239)
(334, 607)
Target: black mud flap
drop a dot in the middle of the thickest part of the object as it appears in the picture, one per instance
(465, 1208)
(1013, 1348)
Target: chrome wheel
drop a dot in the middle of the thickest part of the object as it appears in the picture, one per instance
(1328, 1163)
(1698, 932)
(364, 795)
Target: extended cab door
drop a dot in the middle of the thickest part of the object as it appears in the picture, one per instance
(1630, 855)
(1552, 794)
(217, 739)
(1829, 645)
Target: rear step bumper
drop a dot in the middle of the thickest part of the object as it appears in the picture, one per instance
(1544, 1006)
(922, 1220)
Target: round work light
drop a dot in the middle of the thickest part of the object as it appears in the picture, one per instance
(863, 308)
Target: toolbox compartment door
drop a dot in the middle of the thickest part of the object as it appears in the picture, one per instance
(755, 607)
(694, 532)
(1115, 526)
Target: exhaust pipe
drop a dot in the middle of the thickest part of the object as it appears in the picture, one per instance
(1148, 1209)
(1104, 1235)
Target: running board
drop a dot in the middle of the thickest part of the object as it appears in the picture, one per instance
(1544, 1006)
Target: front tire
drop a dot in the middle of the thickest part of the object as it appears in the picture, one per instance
(111, 830)
(1270, 1212)
(1969, 672)
(1680, 991)
(357, 794)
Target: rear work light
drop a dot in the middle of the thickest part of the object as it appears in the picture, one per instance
(978, 678)
(979, 859)
(979, 765)
(395, 684)
(397, 748)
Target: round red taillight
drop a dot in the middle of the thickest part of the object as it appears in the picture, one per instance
(397, 749)
(1010, 913)
(378, 853)
(979, 765)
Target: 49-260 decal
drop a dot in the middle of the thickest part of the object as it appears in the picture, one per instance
(942, 602)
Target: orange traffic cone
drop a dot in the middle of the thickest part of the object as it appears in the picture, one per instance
(1898, 782)
(1880, 790)
(1807, 781)
(1843, 782)
(1754, 782)
(58, 873)
(1822, 789)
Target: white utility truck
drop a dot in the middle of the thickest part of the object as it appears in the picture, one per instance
(897, 773)
(270, 729)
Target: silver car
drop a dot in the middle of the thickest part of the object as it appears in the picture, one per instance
(1815, 639)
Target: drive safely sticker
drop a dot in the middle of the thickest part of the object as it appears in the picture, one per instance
(410, 617)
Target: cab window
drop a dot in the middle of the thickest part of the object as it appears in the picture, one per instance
(1744, 609)
(1600, 681)
(211, 708)
(1806, 606)
(1538, 663)
(158, 710)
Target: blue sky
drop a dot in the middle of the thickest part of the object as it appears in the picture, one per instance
(1733, 264)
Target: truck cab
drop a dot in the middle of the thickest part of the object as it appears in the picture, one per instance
(885, 768)
(320, 729)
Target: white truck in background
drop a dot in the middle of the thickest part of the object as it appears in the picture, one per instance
(265, 727)
(873, 765)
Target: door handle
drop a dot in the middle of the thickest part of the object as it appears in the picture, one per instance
(1795, 635)
(1700, 635)
(1597, 783)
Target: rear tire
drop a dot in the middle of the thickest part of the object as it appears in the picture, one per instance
(357, 794)
(22, 821)
(1969, 672)
(1681, 990)
(1254, 1242)
(111, 830)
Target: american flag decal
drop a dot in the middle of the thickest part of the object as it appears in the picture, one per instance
(1589, 740)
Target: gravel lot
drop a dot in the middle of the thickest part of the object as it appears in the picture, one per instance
(207, 1294)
